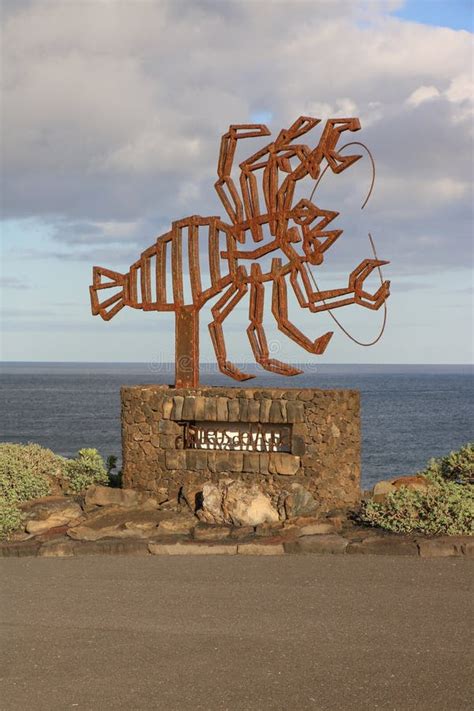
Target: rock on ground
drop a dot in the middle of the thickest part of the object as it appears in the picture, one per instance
(107, 496)
(236, 503)
(50, 512)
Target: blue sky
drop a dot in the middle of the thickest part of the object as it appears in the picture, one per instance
(110, 132)
(457, 14)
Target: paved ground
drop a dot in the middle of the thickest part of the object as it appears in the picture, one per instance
(287, 634)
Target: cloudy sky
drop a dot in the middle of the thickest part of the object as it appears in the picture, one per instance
(112, 116)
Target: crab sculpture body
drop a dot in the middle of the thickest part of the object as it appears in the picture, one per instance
(269, 237)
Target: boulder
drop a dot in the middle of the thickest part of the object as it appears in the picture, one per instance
(118, 522)
(382, 487)
(236, 503)
(299, 502)
(248, 506)
(60, 514)
(415, 483)
(212, 502)
(127, 498)
(191, 494)
(46, 506)
(83, 532)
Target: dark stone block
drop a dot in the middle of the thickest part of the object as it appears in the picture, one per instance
(277, 412)
(297, 445)
(265, 405)
(189, 409)
(222, 409)
(234, 410)
(177, 411)
(251, 462)
(222, 461)
(243, 409)
(253, 411)
(169, 427)
(236, 460)
(263, 462)
(199, 408)
(168, 441)
(167, 408)
(196, 459)
(211, 461)
(210, 409)
(175, 459)
(294, 411)
(156, 402)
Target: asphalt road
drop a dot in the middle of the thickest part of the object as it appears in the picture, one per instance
(284, 633)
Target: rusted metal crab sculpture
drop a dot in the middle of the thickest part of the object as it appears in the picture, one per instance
(168, 276)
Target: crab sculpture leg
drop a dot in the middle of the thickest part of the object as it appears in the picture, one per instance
(255, 330)
(354, 293)
(220, 311)
(280, 312)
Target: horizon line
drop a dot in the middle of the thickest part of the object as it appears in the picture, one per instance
(207, 363)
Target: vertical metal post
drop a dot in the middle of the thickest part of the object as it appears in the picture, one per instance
(187, 348)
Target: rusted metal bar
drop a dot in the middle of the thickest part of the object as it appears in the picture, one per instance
(186, 348)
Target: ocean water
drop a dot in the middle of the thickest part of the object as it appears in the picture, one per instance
(409, 413)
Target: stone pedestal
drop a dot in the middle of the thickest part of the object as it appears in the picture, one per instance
(320, 451)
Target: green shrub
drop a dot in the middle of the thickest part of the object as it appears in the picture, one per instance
(456, 466)
(88, 468)
(26, 471)
(446, 507)
(10, 518)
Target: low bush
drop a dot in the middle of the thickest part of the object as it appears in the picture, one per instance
(10, 517)
(88, 468)
(456, 466)
(26, 471)
(29, 471)
(446, 507)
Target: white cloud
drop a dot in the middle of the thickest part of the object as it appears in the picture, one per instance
(423, 93)
(113, 111)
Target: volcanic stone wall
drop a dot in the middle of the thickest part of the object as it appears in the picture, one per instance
(324, 455)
